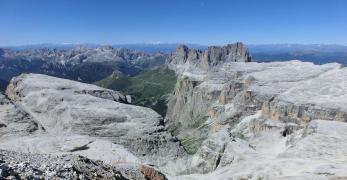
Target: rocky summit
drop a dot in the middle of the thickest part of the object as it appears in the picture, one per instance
(49, 115)
(213, 56)
(227, 118)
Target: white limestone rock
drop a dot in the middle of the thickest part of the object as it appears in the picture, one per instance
(14, 121)
(266, 106)
(316, 152)
(66, 108)
(233, 90)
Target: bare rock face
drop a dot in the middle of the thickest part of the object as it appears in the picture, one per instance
(320, 98)
(14, 121)
(236, 90)
(40, 82)
(85, 119)
(314, 152)
(231, 114)
(213, 56)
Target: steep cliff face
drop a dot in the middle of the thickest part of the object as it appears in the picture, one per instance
(213, 56)
(198, 88)
(322, 97)
(288, 91)
(231, 110)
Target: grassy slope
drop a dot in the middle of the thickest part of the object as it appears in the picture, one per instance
(149, 88)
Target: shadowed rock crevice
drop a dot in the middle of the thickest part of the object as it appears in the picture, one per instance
(81, 148)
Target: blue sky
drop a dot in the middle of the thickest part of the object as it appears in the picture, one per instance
(173, 21)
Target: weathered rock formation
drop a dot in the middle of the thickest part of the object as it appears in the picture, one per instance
(235, 120)
(14, 121)
(213, 56)
(232, 114)
(56, 116)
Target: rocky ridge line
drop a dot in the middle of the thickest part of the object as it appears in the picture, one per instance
(230, 113)
(213, 56)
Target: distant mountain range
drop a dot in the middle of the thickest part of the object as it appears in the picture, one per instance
(92, 62)
(130, 71)
(317, 53)
(85, 64)
(144, 47)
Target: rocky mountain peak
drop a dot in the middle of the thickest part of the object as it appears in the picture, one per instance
(237, 52)
(212, 56)
(182, 49)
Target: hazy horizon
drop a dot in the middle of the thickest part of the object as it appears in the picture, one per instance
(168, 43)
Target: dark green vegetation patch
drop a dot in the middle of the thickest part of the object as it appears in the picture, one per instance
(149, 88)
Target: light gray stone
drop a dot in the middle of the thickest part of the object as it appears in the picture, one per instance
(266, 107)
(68, 109)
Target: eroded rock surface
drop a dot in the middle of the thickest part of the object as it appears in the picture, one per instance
(55, 116)
(235, 120)
(233, 90)
(213, 56)
(14, 121)
(233, 115)
(67, 107)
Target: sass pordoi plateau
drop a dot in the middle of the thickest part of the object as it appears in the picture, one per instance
(225, 117)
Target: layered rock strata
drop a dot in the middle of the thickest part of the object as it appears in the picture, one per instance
(234, 113)
(213, 56)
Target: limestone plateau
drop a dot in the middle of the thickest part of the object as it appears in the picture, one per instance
(227, 118)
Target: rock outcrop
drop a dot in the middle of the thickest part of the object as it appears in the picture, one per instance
(59, 116)
(213, 56)
(231, 114)
(237, 90)
(315, 152)
(64, 106)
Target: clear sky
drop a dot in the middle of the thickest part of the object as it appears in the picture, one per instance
(173, 21)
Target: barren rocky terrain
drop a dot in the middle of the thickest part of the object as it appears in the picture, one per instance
(227, 118)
